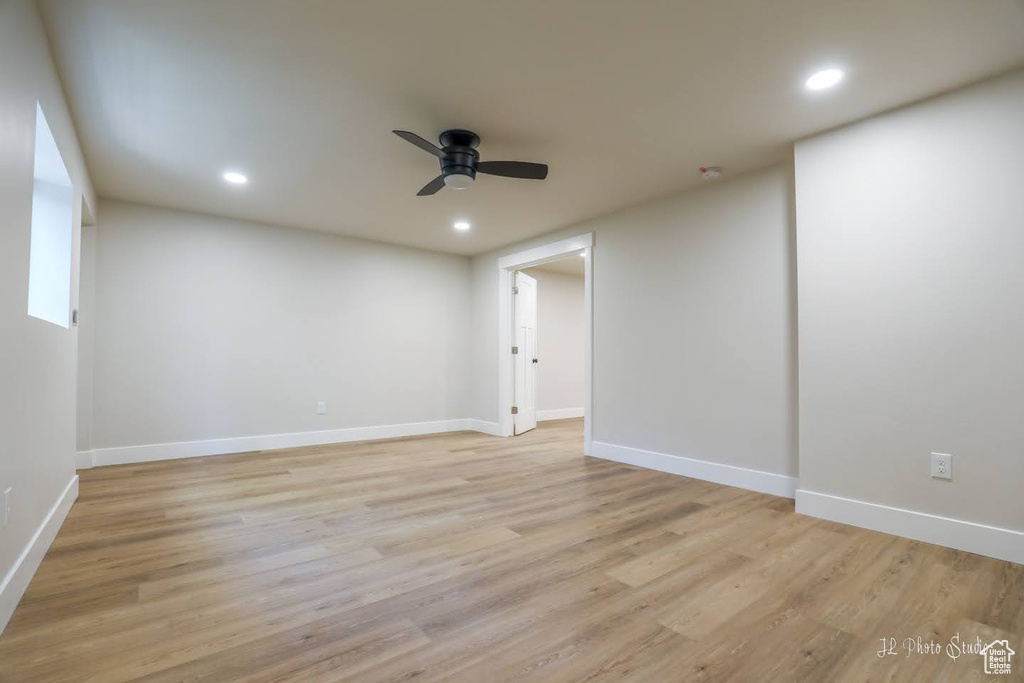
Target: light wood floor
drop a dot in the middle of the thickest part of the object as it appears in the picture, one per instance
(464, 557)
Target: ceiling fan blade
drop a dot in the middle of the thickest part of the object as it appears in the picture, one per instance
(514, 169)
(425, 145)
(432, 187)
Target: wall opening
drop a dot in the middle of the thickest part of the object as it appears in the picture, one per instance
(507, 265)
(49, 273)
(560, 337)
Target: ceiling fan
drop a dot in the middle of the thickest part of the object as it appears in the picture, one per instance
(460, 162)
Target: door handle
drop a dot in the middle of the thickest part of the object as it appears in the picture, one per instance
(534, 360)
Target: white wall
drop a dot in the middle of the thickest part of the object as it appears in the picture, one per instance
(210, 328)
(37, 358)
(911, 272)
(559, 342)
(694, 324)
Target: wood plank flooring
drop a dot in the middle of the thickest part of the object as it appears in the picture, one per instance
(464, 557)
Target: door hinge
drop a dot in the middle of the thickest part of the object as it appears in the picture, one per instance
(515, 410)
(515, 290)
(515, 350)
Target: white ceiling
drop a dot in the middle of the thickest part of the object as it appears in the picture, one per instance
(624, 100)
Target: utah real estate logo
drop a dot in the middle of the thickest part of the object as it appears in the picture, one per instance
(997, 657)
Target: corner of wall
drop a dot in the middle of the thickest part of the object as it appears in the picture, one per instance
(20, 575)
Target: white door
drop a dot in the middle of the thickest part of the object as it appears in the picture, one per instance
(525, 417)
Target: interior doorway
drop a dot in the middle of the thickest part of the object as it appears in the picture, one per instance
(517, 343)
(551, 384)
(524, 354)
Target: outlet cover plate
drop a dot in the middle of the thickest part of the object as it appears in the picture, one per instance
(942, 465)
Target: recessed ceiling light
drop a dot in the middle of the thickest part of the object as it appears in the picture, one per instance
(825, 78)
(235, 178)
(461, 226)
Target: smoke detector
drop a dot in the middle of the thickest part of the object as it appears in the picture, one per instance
(710, 172)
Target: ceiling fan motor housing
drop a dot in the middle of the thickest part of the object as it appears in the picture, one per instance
(460, 155)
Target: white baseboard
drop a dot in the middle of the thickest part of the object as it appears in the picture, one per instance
(560, 414)
(1002, 544)
(83, 460)
(243, 444)
(730, 475)
(18, 578)
(492, 428)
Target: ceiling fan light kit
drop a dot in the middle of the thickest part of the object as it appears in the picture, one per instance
(460, 162)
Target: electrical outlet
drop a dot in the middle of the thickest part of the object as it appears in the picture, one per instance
(5, 508)
(321, 407)
(942, 465)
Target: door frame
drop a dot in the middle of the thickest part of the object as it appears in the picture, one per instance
(535, 257)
